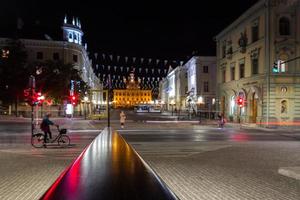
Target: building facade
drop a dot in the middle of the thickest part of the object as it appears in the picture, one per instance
(70, 51)
(201, 82)
(257, 61)
(132, 95)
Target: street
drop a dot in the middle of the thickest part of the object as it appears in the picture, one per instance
(196, 161)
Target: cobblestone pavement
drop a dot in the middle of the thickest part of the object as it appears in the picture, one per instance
(224, 170)
(209, 164)
(26, 172)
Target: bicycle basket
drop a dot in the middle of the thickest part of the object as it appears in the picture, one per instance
(63, 131)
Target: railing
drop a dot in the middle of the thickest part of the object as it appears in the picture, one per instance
(107, 169)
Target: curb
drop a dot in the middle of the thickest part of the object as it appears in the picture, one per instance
(292, 172)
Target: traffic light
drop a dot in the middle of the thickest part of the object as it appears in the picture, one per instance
(240, 102)
(275, 68)
(38, 98)
(73, 100)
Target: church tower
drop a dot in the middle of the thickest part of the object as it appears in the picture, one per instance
(72, 31)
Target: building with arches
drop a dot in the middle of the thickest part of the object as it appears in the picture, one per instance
(133, 94)
(257, 59)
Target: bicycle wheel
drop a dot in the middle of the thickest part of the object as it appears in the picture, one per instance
(63, 141)
(37, 140)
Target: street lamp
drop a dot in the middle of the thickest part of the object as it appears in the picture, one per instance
(200, 101)
(172, 103)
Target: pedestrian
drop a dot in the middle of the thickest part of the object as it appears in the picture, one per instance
(45, 127)
(122, 119)
(221, 120)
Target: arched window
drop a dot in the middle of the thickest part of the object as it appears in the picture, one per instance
(284, 26)
(232, 105)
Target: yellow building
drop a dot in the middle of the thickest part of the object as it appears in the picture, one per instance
(132, 95)
(258, 59)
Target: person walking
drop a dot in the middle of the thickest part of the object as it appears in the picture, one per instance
(122, 119)
(45, 127)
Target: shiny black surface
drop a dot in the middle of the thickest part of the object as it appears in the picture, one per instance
(109, 169)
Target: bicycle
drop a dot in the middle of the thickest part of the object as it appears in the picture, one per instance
(62, 139)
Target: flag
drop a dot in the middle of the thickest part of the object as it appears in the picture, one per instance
(134, 58)
(157, 61)
(142, 60)
(152, 71)
(118, 58)
(150, 60)
(166, 62)
(126, 59)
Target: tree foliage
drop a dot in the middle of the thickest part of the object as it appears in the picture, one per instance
(54, 79)
(14, 71)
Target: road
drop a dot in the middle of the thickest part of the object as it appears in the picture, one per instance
(196, 161)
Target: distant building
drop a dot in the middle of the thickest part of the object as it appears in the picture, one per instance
(132, 95)
(267, 33)
(201, 76)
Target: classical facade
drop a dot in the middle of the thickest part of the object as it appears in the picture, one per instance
(69, 50)
(266, 35)
(174, 88)
(201, 82)
(132, 95)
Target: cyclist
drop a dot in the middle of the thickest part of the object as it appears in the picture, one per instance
(45, 127)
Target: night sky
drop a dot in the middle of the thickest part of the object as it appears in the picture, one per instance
(142, 29)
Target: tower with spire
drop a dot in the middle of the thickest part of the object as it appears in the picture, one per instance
(72, 31)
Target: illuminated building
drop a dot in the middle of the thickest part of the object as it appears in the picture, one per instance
(265, 34)
(69, 50)
(132, 95)
(201, 78)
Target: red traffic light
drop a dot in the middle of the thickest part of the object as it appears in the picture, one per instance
(73, 100)
(240, 102)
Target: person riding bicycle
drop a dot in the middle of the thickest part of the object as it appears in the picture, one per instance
(45, 126)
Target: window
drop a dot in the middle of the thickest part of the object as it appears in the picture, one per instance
(39, 55)
(56, 56)
(70, 35)
(232, 73)
(254, 66)
(205, 69)
(206, 88)
(75, 58)
(242, 70)
(224, 49)
(224, 75)
(284, 26)
(255, 32)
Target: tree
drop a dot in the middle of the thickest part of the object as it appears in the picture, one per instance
(14, 72)
(54, 79)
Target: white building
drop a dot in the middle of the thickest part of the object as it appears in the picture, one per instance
(201, 78)
(70, 50)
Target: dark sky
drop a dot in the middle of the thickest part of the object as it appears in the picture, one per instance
(144, 28)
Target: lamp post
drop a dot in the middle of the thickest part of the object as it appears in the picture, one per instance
(85, 99)
(199, 102)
